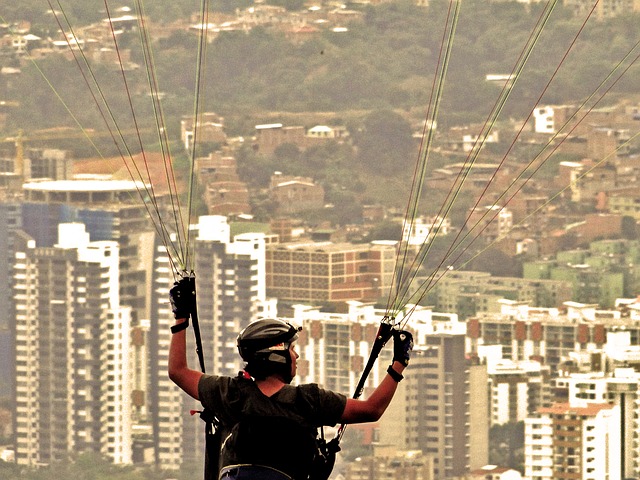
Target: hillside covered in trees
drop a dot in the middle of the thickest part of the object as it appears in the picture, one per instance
(386, 62)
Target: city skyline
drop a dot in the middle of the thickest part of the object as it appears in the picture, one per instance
(512, 258)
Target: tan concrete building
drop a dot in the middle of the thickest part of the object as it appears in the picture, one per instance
(573, 442)
(208, 129)
(328, 272)
(624, 201)
(296, 194)
(225, 193)
(271, 136)
(447, 407)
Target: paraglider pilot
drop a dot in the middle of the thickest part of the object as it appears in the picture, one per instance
(269, 426)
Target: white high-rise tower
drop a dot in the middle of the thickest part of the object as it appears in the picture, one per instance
(72, 338)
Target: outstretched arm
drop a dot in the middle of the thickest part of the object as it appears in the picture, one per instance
(371, 409)
(179, 372)
(182, 297)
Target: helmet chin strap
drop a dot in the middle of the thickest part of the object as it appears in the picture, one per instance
(278, 362)
(283, 367)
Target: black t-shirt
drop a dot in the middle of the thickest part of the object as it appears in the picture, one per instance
(277, 431)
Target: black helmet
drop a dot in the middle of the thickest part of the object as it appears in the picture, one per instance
(264, 345)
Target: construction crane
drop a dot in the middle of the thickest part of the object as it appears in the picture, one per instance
(19, 141)
(64, 133)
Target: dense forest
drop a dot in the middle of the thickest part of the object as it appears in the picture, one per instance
(386, 62)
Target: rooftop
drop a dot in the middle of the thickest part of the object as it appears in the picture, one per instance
(91, 185)
(589, 410)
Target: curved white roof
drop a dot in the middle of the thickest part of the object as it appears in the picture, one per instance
(84, 185)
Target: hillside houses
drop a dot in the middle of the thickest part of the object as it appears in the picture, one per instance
(209, 129)
(296, 194)
(225, 193)
(588, 161)
(268, 137)
(96, 39)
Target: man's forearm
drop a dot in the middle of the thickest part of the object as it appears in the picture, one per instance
(383, 394)
(178, 352)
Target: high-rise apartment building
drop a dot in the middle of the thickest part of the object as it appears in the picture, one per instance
(334, 347)
(620, 387)
(230, 294)
(10, 223)
(111, 210)
(71, 335)
(328, 272)
(516, 389)
(469, 293)
(549, 335)
(447, 406)
(573, 441)
(608, 375)
(168, 420)
(230, 275)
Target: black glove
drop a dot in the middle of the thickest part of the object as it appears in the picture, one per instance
(182, 297)
(402, 346)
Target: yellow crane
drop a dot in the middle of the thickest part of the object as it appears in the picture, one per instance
(19, 140)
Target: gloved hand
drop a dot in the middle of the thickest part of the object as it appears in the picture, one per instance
(402, 346)
(182, 297)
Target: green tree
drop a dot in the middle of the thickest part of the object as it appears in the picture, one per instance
(287, 152)
(506, 445)
(384, 142)
(497, 263)
(386, 230)
(254, 169)
(342, 208)
(386, 62)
